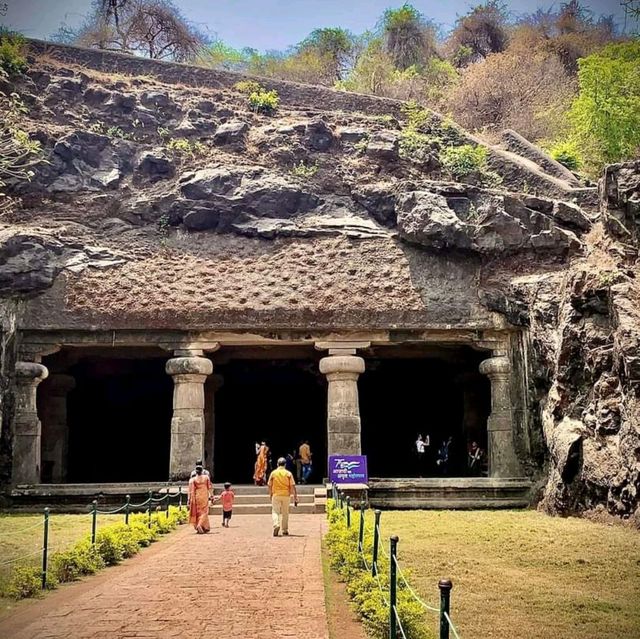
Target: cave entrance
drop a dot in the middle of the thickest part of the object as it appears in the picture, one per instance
(118, 416)
(281, 401)
(434, 391)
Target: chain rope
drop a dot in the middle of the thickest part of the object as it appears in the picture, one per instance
(17, 532)
(412, 591)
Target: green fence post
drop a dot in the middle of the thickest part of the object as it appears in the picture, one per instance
(341, 496)
(94, 520)
(180, 498)
(45, 548)
(167, 507)
(348, 511)
(361, 531)
(445, 586)
(393, 551)
(150, 495)
(127, 507)
(376, 541)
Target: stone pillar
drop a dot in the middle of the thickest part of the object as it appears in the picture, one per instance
(212, 386)
(503, 461)
(343, 409)
(189, 371)
(27, 428)
(55, 430)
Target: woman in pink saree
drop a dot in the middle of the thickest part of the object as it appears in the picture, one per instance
(200, 491)
(260, 469)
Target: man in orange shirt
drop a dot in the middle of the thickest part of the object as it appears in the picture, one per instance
(281, 486)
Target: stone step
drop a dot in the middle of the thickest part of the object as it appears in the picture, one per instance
(264, 509)
(264, 499)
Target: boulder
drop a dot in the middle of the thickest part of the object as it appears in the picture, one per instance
(156, 99)
(379, 201)
(155, 164)
(206, 182)
(318, 135)
(571, 215)
(231, 132)
(383, 145)
(352, 135)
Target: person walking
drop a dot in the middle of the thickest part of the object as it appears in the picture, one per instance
(200, 492)
(422, 448)
(227, 497)
(305, 459)
(204, 470)
(281, 486)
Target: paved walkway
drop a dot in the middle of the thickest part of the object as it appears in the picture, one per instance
(215, 586)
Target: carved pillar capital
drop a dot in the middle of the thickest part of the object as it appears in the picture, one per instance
(30, 373)
(496, 367)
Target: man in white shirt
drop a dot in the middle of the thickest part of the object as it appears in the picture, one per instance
(422, 449)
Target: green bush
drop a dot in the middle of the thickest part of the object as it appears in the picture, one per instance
(109, 546)
(248, 87)
(303, 170)
(26, 581)
(264, 101)
(70, 565)
(364, 590)
(12, 53)
(566, 152)
(464, 160)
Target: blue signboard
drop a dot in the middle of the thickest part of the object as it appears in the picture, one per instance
(348, 469)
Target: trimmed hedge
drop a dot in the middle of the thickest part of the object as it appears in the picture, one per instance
(114, 543)
(370, 604)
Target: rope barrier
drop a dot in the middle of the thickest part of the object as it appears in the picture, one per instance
(412, 591)
(159, 499)
(12, 561)
(17, 532)
(451, 626)
(402, 632)
(381, 546)
(384, 600)
(144, 503)
(112, 512)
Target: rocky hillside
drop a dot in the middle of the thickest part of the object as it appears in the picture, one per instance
(145, 176)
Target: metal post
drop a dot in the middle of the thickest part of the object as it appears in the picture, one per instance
(150, 495)
(445, 586)
(341, 495)
(180, 498)
(167, 508)
(376, 541)
(126, 510)
(348, 511)
(361, 531)
(94, 521)
(45, 548)
(393, 551)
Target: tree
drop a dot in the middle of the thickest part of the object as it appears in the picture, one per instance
(523, 89)
(479, 33)
(153, 28)
(605, 117)
(335, 45)
(408, 38)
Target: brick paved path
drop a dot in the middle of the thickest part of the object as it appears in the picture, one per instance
(216, 586)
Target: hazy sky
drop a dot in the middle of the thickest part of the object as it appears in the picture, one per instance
(268, 24)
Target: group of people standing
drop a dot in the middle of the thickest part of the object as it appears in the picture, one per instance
(298, 462)
(440, 464)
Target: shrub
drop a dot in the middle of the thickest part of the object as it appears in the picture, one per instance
(264, 101)
(183, 146)
(109, 546)
(365, 591)
(566, 152)
(248, 87)
(305, 170)
(463, 160)
(70, 565)
(26, 581)
(12, 53)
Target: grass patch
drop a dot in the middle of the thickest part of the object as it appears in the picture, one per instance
(522, 573)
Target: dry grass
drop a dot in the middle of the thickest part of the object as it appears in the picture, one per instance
(22, 536)
(523, 574)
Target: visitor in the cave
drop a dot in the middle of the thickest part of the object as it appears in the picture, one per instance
(442, 461)
(282, 486)
(298, 461)
(305, 458)
(474, 458)
(227, 497)
(422, 454)
(261, 465)
(291, 462)
(200, 493)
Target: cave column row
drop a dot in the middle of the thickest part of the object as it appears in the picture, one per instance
(342, 369)
(189, 369)
(27, 427)
(503, 460)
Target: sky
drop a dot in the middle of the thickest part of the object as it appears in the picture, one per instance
(269, 24)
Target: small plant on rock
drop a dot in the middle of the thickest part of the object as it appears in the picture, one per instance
(463, 160)
(304, 170)
(264, 101)
(185, 147)
(566, 152)
(12, 53)
(248, 87)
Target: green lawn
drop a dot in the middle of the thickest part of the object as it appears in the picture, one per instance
(22, 535)
(523, 574)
